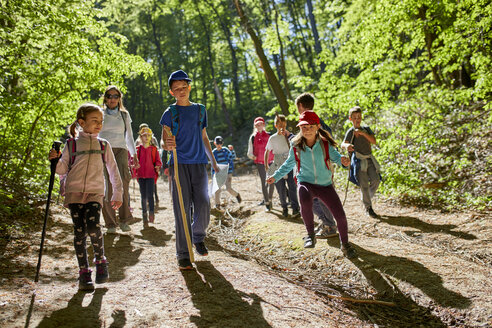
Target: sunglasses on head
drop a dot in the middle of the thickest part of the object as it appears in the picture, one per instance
(112, 96)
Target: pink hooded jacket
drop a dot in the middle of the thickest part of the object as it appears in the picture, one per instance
(85, 180)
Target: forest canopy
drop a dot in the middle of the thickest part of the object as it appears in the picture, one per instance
(421, 71)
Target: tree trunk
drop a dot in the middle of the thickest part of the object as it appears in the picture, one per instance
(265, 65)
(429, 39)
(235, 80)
(216, 86)
(314, 29)
(282, 57)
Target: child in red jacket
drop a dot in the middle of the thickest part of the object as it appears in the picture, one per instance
(147, 173)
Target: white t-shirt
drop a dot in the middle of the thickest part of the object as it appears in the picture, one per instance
(277, 144)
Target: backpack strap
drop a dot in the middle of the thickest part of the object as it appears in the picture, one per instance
(175, 117)
(326, 153)
(72, 150)
(124, 120)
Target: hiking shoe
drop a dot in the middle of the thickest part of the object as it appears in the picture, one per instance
(102, 274)
(151, 217)
(309, 241)
(201, 248)
(85, 280)
(125, 227)
(295, 212)
(348, 251)
(326, 232)
(285, 212)
(261, 203)
(185, 264)
(238, 197)
(268, 207)
(111, 230)
(371, 213)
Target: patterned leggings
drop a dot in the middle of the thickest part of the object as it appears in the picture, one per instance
(85, 219)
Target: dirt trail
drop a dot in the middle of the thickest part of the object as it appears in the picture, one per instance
(436, 268)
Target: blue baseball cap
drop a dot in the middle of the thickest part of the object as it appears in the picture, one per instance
(179, 75)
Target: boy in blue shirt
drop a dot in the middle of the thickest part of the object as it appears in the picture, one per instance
(358, 140)
(224, 156)
(188, 123)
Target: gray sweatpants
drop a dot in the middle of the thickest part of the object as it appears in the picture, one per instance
(369, 183)
(193, 179)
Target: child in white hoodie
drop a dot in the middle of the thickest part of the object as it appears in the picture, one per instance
(82, 162)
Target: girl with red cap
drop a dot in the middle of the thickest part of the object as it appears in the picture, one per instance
(256, 152)
(312, 150)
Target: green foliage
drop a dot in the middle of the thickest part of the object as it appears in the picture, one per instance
(54, 55)
(421, 71)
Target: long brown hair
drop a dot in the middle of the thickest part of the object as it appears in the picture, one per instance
(120, 101)
(82, 113)
(300, 142)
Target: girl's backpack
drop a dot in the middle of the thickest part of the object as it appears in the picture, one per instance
(326, 155)
(72, 153)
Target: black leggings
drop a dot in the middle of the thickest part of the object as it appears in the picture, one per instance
(85, 219)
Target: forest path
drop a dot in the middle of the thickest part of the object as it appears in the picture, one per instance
(436, 271)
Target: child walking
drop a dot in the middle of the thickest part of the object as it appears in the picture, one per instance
(83, 160)
(327, 228)
(312, 150)
(188, 124)
(256, 152)
(279, 145)
(224, 156)
(147, 173)
(358, 141)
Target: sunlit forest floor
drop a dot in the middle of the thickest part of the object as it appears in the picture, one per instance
(416, 268)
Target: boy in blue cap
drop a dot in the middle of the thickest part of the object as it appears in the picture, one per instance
(188, 123)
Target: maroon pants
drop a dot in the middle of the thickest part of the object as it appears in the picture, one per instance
(327, 194)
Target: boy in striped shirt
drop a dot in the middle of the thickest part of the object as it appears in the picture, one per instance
(223, 156)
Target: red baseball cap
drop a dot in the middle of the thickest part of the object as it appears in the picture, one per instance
(259, 119)
(308, 117)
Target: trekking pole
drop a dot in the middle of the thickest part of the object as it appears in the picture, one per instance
(56, 146)
(180, 197)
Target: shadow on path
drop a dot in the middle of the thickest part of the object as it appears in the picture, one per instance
(373, 265)
(76, 315)
(156, 237)
(408, 221)
(120, 254)
(221, 305)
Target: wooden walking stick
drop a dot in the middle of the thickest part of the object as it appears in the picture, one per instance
(180, 197)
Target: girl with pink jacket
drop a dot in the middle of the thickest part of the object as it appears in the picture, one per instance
(82, 161)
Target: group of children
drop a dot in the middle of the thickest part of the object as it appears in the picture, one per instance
(281, 159)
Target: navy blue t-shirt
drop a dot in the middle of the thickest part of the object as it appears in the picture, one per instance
(189, 142)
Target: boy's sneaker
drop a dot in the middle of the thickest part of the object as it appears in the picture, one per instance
(85, 280)
(309, 241)
(185, 264)
(326, 232)
(268, 207)
(285, 212)
(238, 197)
(151, 217)
(348, 251)
(102, 274)
(111, 230)
(125, 227)
(201, 248)
(371, 213)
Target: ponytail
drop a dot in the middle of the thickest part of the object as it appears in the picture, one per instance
(72, 130)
